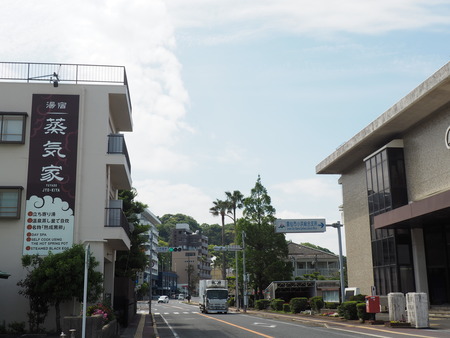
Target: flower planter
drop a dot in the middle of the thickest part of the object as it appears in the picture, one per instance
(397, 324)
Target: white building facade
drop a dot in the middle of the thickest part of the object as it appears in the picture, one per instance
(63, 160)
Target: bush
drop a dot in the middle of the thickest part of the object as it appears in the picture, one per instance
(358, 298)
(101, 309)
(361, 311)
(277, 304)
(231, 301)
(17, 327)
(348, 310)
(331, 305)
(298, 304)
(316, 303)
(286, 308)
(262, 304)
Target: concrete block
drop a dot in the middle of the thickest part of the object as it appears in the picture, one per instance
(397, 306)
(417, 307)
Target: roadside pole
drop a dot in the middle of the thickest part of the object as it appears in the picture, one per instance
(150, 289)
(244, 273)
(338, 226)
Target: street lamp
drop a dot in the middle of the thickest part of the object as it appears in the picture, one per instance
(338, 226)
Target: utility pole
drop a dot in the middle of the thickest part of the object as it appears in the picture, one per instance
(237, 281)
(244, 272)
(338, 226)
(150, 292)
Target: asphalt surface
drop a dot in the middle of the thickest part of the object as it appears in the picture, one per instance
(142, 325)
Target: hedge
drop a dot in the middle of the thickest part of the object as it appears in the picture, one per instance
(298, 304)
(277, 304)
(348, 310)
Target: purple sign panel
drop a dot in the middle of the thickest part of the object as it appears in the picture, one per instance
(52, 173)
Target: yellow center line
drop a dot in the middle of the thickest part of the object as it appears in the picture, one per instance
(239, 327)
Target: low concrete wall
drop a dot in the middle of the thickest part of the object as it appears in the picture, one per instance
(94, 327)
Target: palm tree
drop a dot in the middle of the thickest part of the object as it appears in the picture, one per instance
(221, 208)
(235, 201)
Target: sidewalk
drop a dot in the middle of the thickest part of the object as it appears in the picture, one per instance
(141, 326)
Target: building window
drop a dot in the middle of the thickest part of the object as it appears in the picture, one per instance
(12, 127)
(391, 248)
(10, 200)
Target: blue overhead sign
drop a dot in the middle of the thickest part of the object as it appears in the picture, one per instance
(300, 225)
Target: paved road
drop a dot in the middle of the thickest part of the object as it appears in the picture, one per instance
(180, 320)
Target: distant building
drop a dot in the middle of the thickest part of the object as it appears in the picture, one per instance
(193, 261)
(307, 260)
(395, 182)
(151, 272)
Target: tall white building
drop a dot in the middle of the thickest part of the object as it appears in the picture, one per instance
(63, 160)
(151, 272)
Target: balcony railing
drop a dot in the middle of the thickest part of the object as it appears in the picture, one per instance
(63, 72)
(117, 145)
(115, 217)
(323, 272)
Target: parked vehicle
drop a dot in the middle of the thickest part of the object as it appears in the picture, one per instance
(180, 296)
(213, 295)
(163, 299)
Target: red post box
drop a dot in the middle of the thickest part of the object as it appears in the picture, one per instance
(373, 304)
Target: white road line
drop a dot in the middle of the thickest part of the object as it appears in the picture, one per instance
(170, 327)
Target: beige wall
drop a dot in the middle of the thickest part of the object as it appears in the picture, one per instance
(93, 187)
(427, 159)
(357, 229)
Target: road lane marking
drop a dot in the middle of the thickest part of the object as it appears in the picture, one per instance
(239, 327)
(170, 327)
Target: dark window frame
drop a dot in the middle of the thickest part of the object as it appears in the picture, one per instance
(17, 208)
(3, 116)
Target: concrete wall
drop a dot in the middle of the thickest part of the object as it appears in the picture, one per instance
(93, 190)
(427, 159)
(357, 229)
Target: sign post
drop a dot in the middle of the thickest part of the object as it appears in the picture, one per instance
(313, 225)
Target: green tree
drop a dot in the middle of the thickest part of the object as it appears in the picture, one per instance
(128, 263)
(169, 221)
(266, 251)
(58, 278)
(221, 208)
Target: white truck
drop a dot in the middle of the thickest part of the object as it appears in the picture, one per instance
(213, 295)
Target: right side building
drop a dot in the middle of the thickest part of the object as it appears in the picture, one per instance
(395, 177)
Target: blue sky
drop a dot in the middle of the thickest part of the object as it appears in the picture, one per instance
(226, 90)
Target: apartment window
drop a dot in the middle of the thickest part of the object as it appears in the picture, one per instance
(10, 200)
(12, 127)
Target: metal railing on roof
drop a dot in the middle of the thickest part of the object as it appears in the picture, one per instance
(63, 72)
(72, 73)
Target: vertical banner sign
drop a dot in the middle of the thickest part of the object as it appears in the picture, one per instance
(52, 173)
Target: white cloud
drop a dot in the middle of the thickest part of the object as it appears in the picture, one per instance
(315, 17)
(164, 197)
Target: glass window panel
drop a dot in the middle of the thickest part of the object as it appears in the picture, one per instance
(391, 245)
(9, 202)
(386, 183)
(12, 128)
(380, 177)
(407, 279)
(394, 280)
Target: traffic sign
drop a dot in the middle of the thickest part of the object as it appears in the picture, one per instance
(228, 248)
(300, 225)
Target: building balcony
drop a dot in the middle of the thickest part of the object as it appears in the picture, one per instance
(119, 229)
(119, 162)
(324, 272)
